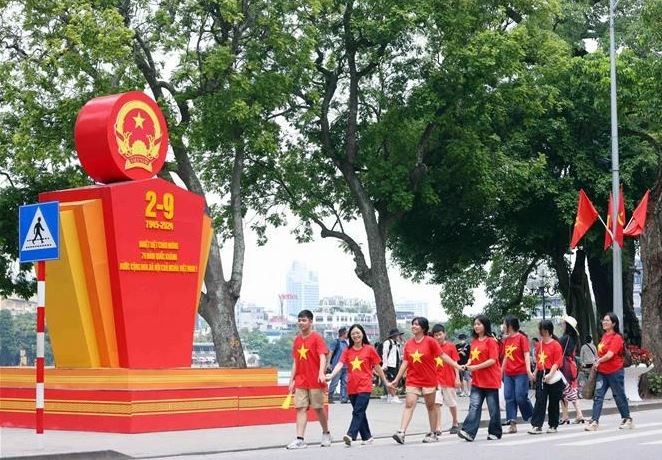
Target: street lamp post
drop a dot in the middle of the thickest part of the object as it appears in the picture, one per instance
(616, 249)
(542, 288)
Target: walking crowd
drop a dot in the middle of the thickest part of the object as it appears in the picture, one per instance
(436, 369)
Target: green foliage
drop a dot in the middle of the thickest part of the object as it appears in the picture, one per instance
(8, 344)
(19, 333)
(654, 382)
(276, 354)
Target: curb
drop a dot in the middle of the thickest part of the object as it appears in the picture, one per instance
(113, 455)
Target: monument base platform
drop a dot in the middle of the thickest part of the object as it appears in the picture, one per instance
(139, 401)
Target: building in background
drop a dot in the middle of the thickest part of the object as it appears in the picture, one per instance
(416, 307)
(249, 316)
(303, 285)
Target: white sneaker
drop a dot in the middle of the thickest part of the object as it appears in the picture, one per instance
(368, 442)
(347, 440)
(626, 424)
(592, 426)
(395, 400)
(326, 440)
(297, 444)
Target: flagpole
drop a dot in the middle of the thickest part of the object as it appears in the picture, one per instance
(606, 228)
(616, 249)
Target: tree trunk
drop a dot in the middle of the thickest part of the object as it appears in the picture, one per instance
(578, 294)
(376, 235)
(602, 284)
(651, 256)
(218, 303)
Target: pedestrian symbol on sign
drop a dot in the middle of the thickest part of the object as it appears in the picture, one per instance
(39, 232)
(40, 236)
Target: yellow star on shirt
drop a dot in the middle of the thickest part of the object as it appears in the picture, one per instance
(439, 361)
(138, 120)
(475, 354)
(356, 363)
(600, 347)
(509, 351)
(416, 357)
(303, 352)
(542, 358)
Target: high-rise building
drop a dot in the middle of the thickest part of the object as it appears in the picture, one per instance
(303, 285)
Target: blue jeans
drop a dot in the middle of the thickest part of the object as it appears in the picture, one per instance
(516, 393)
(615, 381)
(359, 424)
(342, 378)
(471, 423)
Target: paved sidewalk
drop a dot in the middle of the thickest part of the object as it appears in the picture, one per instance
(384, 420)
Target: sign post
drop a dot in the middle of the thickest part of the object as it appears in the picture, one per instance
(39, 240)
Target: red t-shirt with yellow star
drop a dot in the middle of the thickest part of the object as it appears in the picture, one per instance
(421, 363)
(306, 353)
(611, 342)
(445, 372)
(515, 348)
(481, 351)
(360, 364)
(548, 354)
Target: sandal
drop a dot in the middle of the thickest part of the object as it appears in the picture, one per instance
(579, 420)
(565, 421)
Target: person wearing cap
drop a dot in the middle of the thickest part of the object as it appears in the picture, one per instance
(569, 342)
(391, 359)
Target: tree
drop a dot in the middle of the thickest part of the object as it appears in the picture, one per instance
(218, 69)
(545, 121)
(8, 344)
(651, 239)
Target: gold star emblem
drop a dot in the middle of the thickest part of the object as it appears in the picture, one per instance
(600, 347)
(303, 352)
(138, 120)
(416, 357)
(475, 354)
(542, 358)
(439, 361)
(509, 351)
(356, 363)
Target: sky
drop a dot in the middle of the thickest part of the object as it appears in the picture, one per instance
(266, 267)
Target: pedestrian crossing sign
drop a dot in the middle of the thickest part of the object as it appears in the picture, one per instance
(39, 232)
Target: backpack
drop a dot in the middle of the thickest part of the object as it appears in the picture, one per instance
(379, 346)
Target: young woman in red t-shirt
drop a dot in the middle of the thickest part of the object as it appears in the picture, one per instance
(419, 361)
(549, 357)
(516, 368)
(485, 381)
(610, 374)
(361, 359)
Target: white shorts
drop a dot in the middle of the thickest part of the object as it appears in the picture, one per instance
(446, 396)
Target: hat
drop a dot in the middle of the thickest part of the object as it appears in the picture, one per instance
(571, 321)
(394, 332)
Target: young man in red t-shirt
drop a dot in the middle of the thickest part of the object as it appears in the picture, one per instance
(308, 380)
(449, 379)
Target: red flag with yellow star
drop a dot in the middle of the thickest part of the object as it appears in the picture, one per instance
(586, 217)
(620, 223)
(636, 225)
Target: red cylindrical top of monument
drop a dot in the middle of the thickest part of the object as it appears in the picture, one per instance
(121, 137)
